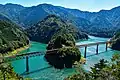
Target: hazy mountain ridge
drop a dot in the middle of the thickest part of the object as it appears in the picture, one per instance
(12, 11)
(104, 21)
(3, 17)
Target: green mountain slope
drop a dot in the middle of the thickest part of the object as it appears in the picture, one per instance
(45, 29)
(3, 17)
(11, 37)
(94, 23)
(116, 38)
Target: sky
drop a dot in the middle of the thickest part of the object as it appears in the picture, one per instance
(84, 5)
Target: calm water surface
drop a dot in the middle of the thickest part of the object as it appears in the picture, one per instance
(41, 70)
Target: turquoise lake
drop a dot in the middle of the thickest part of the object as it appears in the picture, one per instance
(41, 70)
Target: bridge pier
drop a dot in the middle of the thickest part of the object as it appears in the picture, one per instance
(85, 52)
(106, 46)
(94, 44)
(97, 49)
(27, 64)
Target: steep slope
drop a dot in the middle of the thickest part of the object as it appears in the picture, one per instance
(102, 22)
(116, 38)
(12, 11)
(94, 23)
(3, 17)
(27, 16)
(69, 52)
(37, 13)
(11, 37)
(100, 27)
(45, 29)
(32, 15)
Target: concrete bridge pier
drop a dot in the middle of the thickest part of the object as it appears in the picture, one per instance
(27, 64)
(97, 49)
(85, 52)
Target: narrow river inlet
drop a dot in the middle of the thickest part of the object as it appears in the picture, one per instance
(41, 70)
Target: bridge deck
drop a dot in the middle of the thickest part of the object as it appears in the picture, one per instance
(92, 44)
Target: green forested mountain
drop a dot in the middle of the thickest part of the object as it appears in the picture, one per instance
(3, 17)
(94, 23)
(116, 38)
(12, 11)
(11, 36)
(45, 29)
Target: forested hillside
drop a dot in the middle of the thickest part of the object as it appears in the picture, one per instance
(3, 17)
(94, 23)
(45, 29)
(11, 37)
(116, 38)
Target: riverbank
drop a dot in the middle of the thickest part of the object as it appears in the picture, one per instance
(14, 52)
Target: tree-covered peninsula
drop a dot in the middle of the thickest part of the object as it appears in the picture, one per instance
(66, 54)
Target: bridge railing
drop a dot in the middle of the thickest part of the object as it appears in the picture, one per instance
(93, 44)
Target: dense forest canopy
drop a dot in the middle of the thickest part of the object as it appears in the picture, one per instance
(11, 36)
(45, 29)
(7, 73)
(67, 52)
(103, 70)
(93, 23)
(116, 39)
